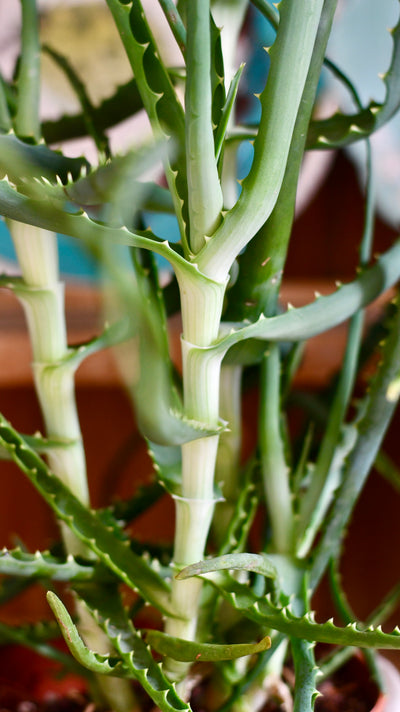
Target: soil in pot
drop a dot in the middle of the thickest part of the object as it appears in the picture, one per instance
(29, 683)
(349, 689)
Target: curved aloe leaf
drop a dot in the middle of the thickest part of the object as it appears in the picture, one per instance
(33, 632)
(258, 563)
(100, 664)
(290, 58)
(324, 313)
(36, 637)
(264, 612)
(99, 137)
(270, 11)
(145, 496)
(27, 115)
(242, 518)
(113, 552)
(377, 411)
(42, 564)
(5, 116)
(18, 158)
(168, 466)
(340, 130)
(158, 95)
(113, 189)
(40, 444)
(12, 586)
(53, 216)
(226, 112)
(130, 646)
(189, 651)
(124, 102)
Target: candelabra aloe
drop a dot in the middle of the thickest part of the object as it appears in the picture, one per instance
(225, 280)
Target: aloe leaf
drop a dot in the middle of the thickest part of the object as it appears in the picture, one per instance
(388, 469)
(27, 122)
(12, 586)
(324, 481)
(158, 95)
(251, 676)
(269, 10)
(242, 517)
(333, 478)
(347, 616)
(42, 564)
(325, 312)
(275, 471)
(42, 631)
(35, 638)
(290, 59)
(115, 554)
(378, 409)
(130, 646)
(52, 216)
(305, 691)
(226, 112)
(115, 183)
(124, 102)
(175, 22)
(386, 607)
(261, 264)
(167, 462)
(217, 74)
(40, 444)
(19, 159)
(204, 189)
(264, 612)
(190, 651)
(144, 497)
(5, 116)
(100, 664)
(341, 129)
(257, 563)
(100, 139)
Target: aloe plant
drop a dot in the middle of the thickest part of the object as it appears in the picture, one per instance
(224, 279)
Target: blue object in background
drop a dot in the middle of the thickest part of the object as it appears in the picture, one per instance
(74, 260)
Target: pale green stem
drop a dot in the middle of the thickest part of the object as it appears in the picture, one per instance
(201, 309)
(42, 297)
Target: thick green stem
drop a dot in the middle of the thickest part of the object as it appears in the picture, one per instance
(201, 310)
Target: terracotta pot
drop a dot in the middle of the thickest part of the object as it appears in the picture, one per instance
(390, 701)
(351, 688)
